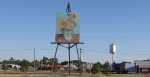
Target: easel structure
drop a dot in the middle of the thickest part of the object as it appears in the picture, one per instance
(69, 46)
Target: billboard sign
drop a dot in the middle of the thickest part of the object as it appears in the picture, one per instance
(67, 28)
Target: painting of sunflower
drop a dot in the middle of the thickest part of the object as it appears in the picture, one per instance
(67, 29)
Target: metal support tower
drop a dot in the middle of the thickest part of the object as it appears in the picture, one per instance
(68, 46)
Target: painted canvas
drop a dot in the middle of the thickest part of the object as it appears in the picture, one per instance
(67, 29)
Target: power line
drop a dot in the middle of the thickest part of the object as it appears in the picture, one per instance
(25, 49)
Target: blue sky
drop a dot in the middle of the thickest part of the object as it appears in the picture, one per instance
(28, 24)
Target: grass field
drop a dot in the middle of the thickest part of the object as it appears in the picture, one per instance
(73, 75)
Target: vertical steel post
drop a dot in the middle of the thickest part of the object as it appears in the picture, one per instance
(68, 10)
(79, 66)
(69, 47)
(54, 63)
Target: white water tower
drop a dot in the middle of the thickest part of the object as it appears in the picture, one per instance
(112, 50)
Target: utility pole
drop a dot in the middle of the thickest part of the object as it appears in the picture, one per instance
(34, 60)
(81, 66)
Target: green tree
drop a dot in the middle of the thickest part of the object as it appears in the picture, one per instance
(17, 62)
(97, 67)
(64, 62)
(44, 60)
(47, 60)
(106, 68)
(52, 60)
(4, 64)
(24, 65)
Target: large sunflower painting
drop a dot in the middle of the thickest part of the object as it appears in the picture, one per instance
(67, 29)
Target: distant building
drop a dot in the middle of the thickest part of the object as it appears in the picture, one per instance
(143, 66)
(86, 66)
(128, 67)
(72, 67)
(13, 67)
(50, 66)
(124, 67)
(139, 66)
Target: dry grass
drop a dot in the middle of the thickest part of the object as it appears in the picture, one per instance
(73, 75)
